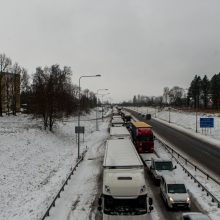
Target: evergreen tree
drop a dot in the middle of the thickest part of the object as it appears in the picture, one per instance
(205, 85)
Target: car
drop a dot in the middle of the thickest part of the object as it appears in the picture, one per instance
(160, 166)
(174, 192)
(194, 216)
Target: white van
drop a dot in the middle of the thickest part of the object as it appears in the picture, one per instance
(174, 192)
(194, 216)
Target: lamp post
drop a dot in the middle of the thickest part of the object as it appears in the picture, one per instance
(102, 103)
(169, 114)
(98, 75)
(97, 107)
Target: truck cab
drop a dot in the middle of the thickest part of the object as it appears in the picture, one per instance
(124, 195)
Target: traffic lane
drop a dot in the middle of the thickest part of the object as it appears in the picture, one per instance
(159, 204)
(204, 153)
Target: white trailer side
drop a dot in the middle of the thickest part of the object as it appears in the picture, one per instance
(121, 153)
(119, 132)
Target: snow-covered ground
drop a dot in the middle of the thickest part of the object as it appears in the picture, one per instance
(34, 163)
(77, 200)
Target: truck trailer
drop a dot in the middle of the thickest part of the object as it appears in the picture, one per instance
(119, 133)
(124, 191)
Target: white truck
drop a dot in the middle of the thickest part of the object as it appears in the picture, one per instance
(117, 121)
(124, 191)
(119, 133)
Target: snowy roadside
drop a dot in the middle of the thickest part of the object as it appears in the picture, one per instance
(34, 163)
(77, 199)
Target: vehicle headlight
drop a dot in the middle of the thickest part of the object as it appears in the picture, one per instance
(107, 189)
(188, 199)
(171, 199)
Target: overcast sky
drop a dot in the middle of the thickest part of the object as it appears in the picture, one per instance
(138, 46)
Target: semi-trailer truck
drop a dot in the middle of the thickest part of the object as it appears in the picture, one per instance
(119, 133)
(142, 136)
(124, 192)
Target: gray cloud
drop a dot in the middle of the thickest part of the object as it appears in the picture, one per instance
(138, 46)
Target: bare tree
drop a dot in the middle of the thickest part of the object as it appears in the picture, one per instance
(25, 80)
(52, 94)
(16, 71)
(5, 63)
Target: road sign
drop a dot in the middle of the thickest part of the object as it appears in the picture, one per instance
(207, 122)
(79, 129)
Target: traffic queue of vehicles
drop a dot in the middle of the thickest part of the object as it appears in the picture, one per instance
(124, 190)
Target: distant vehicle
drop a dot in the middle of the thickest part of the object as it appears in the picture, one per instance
(117, 122)
(174, 192)
(142, 136)
(124, 191)
(148, 116)
(194, 216)
(119, 133)
(159, 167)
(127, 118)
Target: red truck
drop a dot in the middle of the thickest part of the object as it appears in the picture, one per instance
(142, 136)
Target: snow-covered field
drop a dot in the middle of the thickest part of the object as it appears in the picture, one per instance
(34, 163)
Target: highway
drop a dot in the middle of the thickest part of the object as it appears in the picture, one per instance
(163, 212)
(203, 153)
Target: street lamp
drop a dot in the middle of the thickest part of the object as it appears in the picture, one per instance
(98, 75)
(97, 107)
(102, 102)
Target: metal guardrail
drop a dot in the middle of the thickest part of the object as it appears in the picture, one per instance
(172, 151)
(47, 213)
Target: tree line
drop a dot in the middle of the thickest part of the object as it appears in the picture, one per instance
(204, 92)
(49, 93)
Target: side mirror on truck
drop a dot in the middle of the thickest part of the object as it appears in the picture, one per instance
(100, 204)
(100, 201)
(150, 202)
(174, 167)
